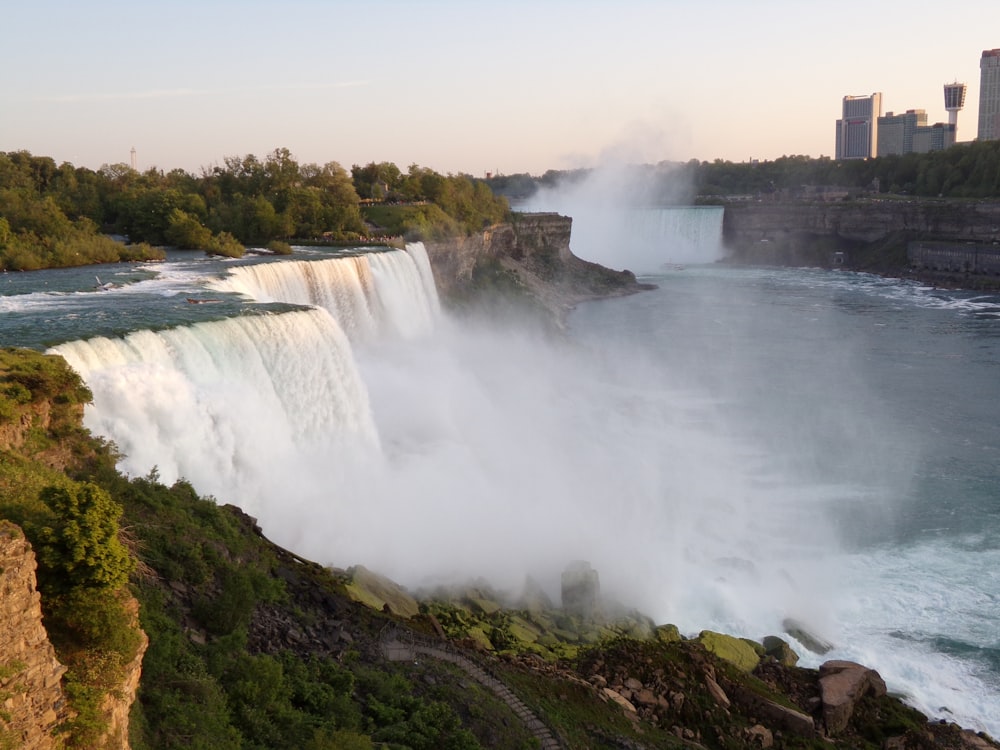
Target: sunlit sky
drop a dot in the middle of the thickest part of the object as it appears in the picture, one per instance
(470, 87)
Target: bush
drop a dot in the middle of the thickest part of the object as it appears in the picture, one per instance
(80, 548)
(226, 245)
(279, 248)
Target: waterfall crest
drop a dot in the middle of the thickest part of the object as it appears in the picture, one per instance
(373, 294)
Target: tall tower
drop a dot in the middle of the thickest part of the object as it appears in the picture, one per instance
(954, 100)
(133, 163)
(989, 95)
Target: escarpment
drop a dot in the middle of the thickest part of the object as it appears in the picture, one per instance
(528, 258)
(32, 702)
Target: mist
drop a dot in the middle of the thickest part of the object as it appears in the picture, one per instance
(633, 217)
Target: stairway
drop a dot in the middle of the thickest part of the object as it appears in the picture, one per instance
(407, 646)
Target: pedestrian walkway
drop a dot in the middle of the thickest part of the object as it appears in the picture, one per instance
(406, 646)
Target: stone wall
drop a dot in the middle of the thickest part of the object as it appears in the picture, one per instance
(32, 703)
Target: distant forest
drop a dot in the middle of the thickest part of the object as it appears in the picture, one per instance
(966, 170)
(60, 215)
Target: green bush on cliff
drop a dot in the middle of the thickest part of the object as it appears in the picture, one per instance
(80, 548)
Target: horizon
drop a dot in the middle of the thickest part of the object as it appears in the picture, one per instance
(462, 89)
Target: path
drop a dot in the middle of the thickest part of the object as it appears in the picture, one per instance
(395, 649)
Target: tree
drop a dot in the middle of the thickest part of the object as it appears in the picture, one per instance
(81, 548)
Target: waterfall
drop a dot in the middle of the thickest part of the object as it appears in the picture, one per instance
(217, 403)
(374, 294)
(683, 234)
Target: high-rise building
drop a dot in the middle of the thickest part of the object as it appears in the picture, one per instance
(954, 100)
(895, 132)
(989, 95)
(857, 130)
(936, 137)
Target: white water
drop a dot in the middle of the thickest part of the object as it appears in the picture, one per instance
(228, 405)
(449, 450)
(379, 293)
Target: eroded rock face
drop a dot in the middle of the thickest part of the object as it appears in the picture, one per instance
(31, 695)
(842, 684)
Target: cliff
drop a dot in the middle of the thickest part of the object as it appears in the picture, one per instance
(32, 703)
(888, 237)
(862, 221)
(59, 686)
(529, 257)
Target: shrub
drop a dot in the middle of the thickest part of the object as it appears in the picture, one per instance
(81, 548)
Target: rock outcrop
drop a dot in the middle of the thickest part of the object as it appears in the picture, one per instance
(842, 684)
(531, 255)
(32, 703)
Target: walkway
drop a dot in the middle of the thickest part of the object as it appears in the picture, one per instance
(413, 645)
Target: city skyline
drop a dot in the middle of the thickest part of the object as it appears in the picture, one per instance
(464, 87)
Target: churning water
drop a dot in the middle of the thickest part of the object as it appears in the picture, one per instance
(732, 449)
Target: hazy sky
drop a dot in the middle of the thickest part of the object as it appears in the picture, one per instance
(464, 86)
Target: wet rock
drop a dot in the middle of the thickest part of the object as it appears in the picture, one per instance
(779, 649)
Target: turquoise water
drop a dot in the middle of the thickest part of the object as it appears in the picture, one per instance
(736, 447)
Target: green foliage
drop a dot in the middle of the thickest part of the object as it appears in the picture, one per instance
(279, 248)
(226, 245)
(183, 230)
(81, 548)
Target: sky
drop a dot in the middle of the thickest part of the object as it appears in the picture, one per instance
(461, 86)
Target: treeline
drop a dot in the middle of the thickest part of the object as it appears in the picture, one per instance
(966, 170)
(54, 216)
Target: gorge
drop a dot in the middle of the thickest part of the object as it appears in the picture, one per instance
(492, 460)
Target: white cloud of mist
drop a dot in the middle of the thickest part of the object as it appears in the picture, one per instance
(635, 217)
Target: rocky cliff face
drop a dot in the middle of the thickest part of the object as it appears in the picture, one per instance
(532, 252)
(868, 221)
(32, 703)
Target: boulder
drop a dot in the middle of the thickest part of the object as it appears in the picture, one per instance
(667, 633)
(779, 649)
(841, 685)
(734, 650)
(808, 639)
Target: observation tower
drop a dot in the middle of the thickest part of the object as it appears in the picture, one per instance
(954, 100)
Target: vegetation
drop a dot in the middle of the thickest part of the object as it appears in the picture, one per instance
(52, 216)
(966, 170)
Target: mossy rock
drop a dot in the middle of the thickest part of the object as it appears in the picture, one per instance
(522, 630)
(484, 606)
(479, 635)
(779, 649)
(378, 592)
(667, 633)
(734, 650)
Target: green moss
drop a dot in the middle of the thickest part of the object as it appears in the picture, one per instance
(734, 650)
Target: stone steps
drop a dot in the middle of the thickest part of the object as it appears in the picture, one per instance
(396, 650)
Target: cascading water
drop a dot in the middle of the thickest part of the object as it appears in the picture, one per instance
(217, 403)
(377, 293)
